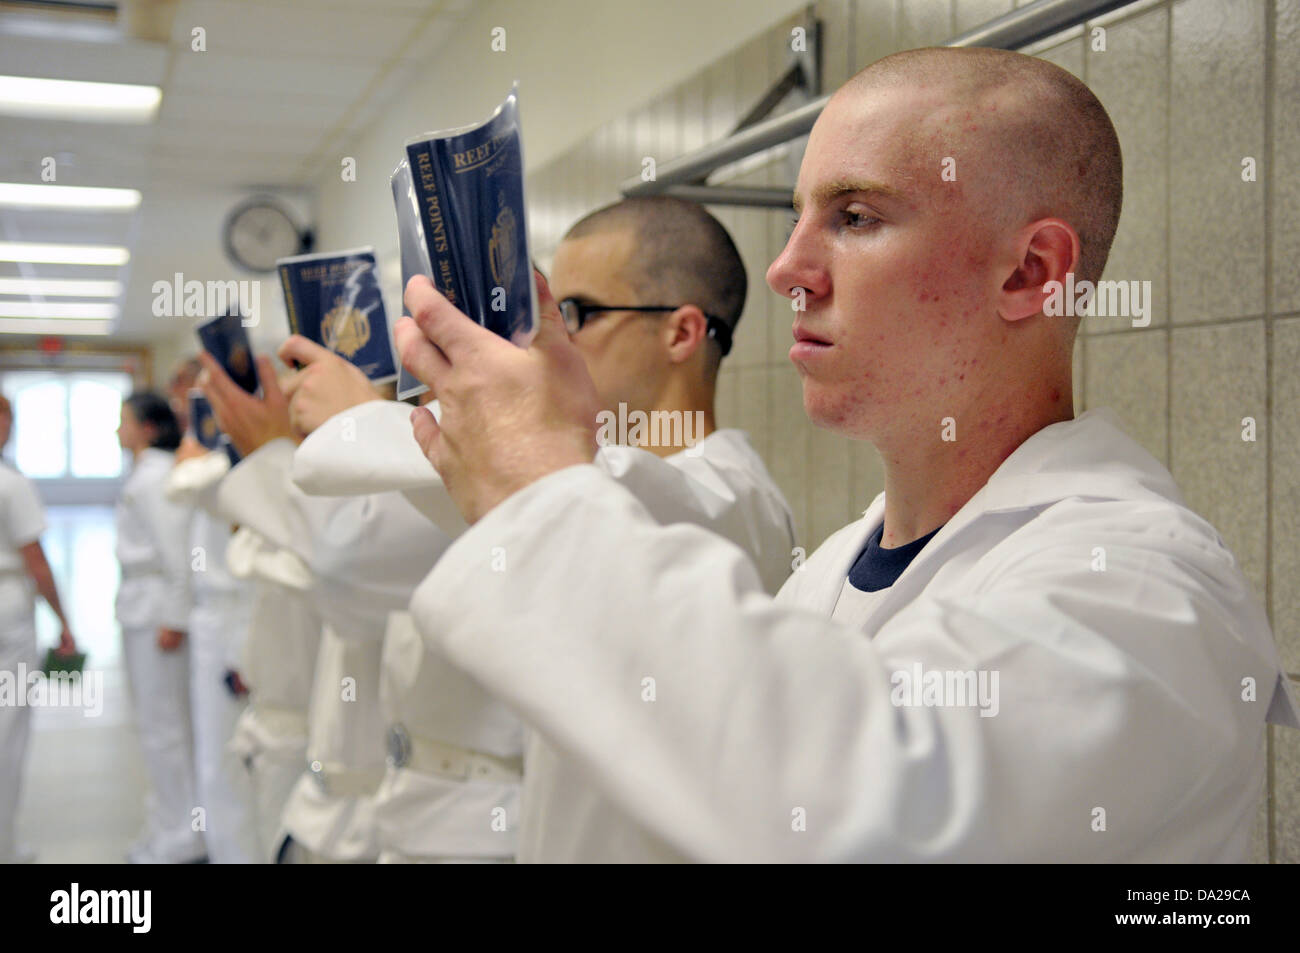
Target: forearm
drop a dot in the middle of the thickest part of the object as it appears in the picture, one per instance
(49, 591)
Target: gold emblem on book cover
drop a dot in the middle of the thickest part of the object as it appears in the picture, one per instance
(345, 329)
(503, 248)
(239, 360)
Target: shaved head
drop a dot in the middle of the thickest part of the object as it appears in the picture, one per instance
(683, 255)
(1030, 134)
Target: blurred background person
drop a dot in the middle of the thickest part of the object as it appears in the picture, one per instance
(24, 571)
(153, 608)
(218, 625)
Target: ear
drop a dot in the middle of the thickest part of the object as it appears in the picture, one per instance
(1045, 251)
(686, 330)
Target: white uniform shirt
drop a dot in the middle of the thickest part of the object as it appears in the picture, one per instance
(277, 656)
(22, 520)
(720, 483)
(153, 536)
(365, 555)
(374, 562)
(1142, 689)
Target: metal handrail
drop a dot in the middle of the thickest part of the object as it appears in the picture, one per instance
(1018, 28)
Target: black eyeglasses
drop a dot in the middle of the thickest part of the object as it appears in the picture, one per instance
(575, 314)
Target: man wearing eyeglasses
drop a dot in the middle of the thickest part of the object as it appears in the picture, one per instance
(653, 289)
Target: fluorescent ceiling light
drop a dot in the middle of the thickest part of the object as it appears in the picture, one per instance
(55, 327)
(63, 27)
(55, 287)
(14, 195)
(64, 254)
(98, 310)
(35, 98)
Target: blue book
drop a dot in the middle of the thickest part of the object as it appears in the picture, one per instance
(333, 299)
(204, 426)
(202, 423)
(226, 339)
(467, 192)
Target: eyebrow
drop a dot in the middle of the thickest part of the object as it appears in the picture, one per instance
(830, 191)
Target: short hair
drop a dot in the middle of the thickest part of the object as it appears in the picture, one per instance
(683, 254)
(1058, 149)
(150, 409)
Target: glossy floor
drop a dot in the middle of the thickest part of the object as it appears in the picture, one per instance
(83, 797)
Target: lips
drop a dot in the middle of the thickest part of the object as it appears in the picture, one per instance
(804, 336)
(808, 349)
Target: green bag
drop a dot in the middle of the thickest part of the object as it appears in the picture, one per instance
(54, 662)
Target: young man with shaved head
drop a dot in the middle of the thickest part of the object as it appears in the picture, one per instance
(1027, 649)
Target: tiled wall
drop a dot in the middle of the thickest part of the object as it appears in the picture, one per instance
(1193, 86)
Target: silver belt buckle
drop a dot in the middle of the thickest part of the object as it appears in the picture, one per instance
(399, 746)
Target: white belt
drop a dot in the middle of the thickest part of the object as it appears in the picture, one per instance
(337, 780)
(449, 761)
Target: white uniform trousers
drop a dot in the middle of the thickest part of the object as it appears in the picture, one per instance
(160, 694)
(223, 787)
(17, 646)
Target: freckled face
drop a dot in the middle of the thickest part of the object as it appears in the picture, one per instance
(900, 319)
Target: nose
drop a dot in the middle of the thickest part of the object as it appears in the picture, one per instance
(801, 264)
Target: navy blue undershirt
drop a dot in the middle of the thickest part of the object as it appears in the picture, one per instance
(877, 568)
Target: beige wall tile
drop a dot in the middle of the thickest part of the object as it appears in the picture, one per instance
(924, 23)
(691, 99)
(968, 14)
(1067, 54)
(1286, 159)
(749, 232)
(1286, 491)
(1216, 118)
(1131, 79)
(1286, 793)
(788, 457)
(668, 131)
(837, 41)
(752, 408)
(875, 31)
(720, 89)
(753, 63)
(726, 401)
(1218, 379)
(1128, 373)
(780, 313)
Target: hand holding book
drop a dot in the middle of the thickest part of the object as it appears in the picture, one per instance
(510, 415)
(326, 384)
